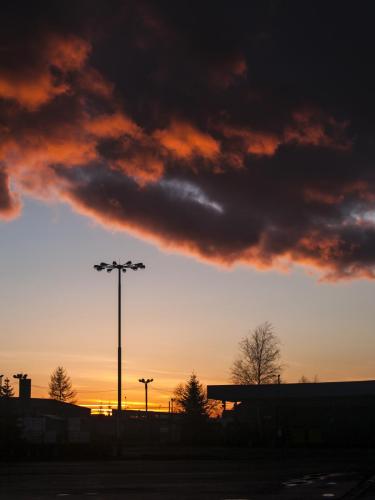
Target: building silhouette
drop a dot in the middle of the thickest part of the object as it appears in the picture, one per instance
(304, 414)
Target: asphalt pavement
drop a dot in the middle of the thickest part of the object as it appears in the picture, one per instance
(184, 479)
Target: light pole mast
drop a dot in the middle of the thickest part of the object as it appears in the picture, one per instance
(121, 268)
(146, 382)
(119, 353)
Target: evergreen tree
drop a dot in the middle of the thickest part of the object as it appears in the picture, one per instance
(6, 389)
(60, 386)
(191, 398)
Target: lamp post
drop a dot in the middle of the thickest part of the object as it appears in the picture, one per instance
(120, 268)
(146, 382)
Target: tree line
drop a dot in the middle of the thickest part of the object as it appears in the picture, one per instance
(258, 362)
(60, 387)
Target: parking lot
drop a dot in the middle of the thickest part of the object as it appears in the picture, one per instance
(249, 478)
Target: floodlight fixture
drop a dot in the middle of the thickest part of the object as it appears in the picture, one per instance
(146, 382)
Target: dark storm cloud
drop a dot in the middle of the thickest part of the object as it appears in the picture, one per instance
(233, 132)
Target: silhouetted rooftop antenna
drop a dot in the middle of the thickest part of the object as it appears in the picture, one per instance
(120, 268)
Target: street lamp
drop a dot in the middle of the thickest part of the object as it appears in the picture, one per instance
(146, 382)
(120, 268)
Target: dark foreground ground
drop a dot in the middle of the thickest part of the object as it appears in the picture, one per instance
(199, 476)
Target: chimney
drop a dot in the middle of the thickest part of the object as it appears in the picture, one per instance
(24, 386)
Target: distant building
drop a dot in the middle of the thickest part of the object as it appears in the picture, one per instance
(45, 421)
(138, 426)
(308, 414)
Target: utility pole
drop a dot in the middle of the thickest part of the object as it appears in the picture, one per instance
(121, 268)
(146, 382)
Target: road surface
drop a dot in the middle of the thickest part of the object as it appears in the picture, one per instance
(182, 479)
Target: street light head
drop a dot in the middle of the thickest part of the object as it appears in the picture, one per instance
(109, 270)
(123, 270)
(129, 263)
(103, 264)
(114, 263)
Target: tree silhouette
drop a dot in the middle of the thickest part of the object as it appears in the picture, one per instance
(191, 398)
(191, 401)
(60, 386)
(259, 358)
(6, 389)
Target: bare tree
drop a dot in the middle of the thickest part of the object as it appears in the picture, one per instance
(259, 358)
(60, 386)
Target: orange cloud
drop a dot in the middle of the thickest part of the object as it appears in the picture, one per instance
(185, 141)
(68, 53)
(360, 189)
(30, 90)
(34, 150)
(316, 129)
(143, 167)
(34, 86)
(93, 82)
(112, 126)
(258, 143)
(315, 195)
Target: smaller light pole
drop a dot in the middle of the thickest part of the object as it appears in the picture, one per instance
(146, 382)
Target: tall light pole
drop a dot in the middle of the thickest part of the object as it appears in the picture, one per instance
(146, 382)
(120, 268)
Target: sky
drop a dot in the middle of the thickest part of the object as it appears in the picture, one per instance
(227, 146)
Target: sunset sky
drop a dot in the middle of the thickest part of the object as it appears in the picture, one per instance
(227, 145)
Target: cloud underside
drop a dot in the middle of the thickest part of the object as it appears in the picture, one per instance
(225, 140)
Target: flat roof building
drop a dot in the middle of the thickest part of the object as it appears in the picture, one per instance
(327, 413)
